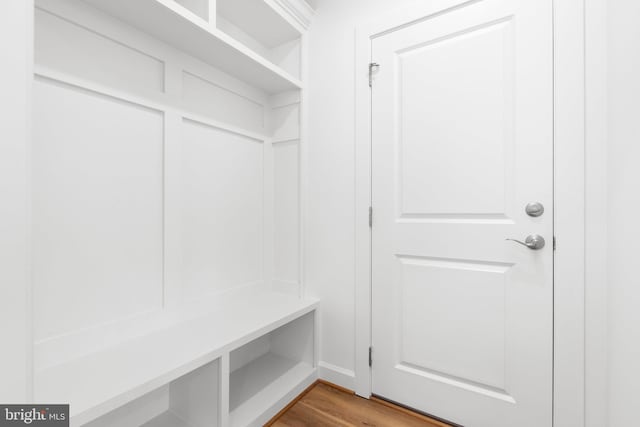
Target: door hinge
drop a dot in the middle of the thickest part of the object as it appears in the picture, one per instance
(554, 243)
(371, 67)
(370, 217)
(370, 356)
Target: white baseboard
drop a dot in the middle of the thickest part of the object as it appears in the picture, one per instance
(339, 376)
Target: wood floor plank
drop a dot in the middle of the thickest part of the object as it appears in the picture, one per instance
(302, 416)
(325, 405)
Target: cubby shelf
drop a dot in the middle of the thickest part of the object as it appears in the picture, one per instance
(97, 383)
(266, 371)
(261, 384)
(176, 25)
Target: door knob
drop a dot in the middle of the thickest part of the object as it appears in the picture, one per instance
(534, 242)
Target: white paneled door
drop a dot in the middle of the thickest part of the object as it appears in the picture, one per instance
(462, 142)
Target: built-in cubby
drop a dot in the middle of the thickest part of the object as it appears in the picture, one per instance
(265, 30)
(264, 371)
(166, 225)
(192, 400)
(201, 8)
(254, 346)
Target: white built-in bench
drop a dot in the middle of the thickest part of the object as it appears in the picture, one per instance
(237, 364)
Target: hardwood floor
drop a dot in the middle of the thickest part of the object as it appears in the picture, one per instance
(326, 405)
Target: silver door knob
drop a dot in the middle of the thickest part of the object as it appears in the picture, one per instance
(534, 242)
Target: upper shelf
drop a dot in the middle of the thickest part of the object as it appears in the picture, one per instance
(178, 26)
(260, 20)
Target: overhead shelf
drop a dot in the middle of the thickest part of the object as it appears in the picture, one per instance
(259, 19)
(176, 25)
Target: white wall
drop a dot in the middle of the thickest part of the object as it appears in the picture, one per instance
(624, 204)
(15, 326)
(330, 233)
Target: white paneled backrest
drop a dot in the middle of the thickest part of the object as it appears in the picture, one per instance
(115, 140)
(222, 187)
(97, 208)
(286, 214)
(284, 126)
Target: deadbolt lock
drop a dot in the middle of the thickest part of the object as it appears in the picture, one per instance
(534, 209)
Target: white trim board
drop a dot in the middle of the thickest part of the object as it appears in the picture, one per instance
(303, 173)
(596, 202)
(298, 10)
(571, 212)
(337, 375)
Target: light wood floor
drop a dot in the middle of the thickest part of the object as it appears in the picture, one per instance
(325, 405)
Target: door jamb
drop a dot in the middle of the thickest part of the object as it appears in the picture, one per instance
(579, 159)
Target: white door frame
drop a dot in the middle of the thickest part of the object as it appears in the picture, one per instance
(579, 193)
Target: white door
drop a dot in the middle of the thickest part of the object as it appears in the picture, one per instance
(461, 143)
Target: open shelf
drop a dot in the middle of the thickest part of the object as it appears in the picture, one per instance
(198, 7)
(96, 383)
(260, 20)
(259, 385)
(265, 30)
(265, 371)
(192, 400)
(169, 21)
